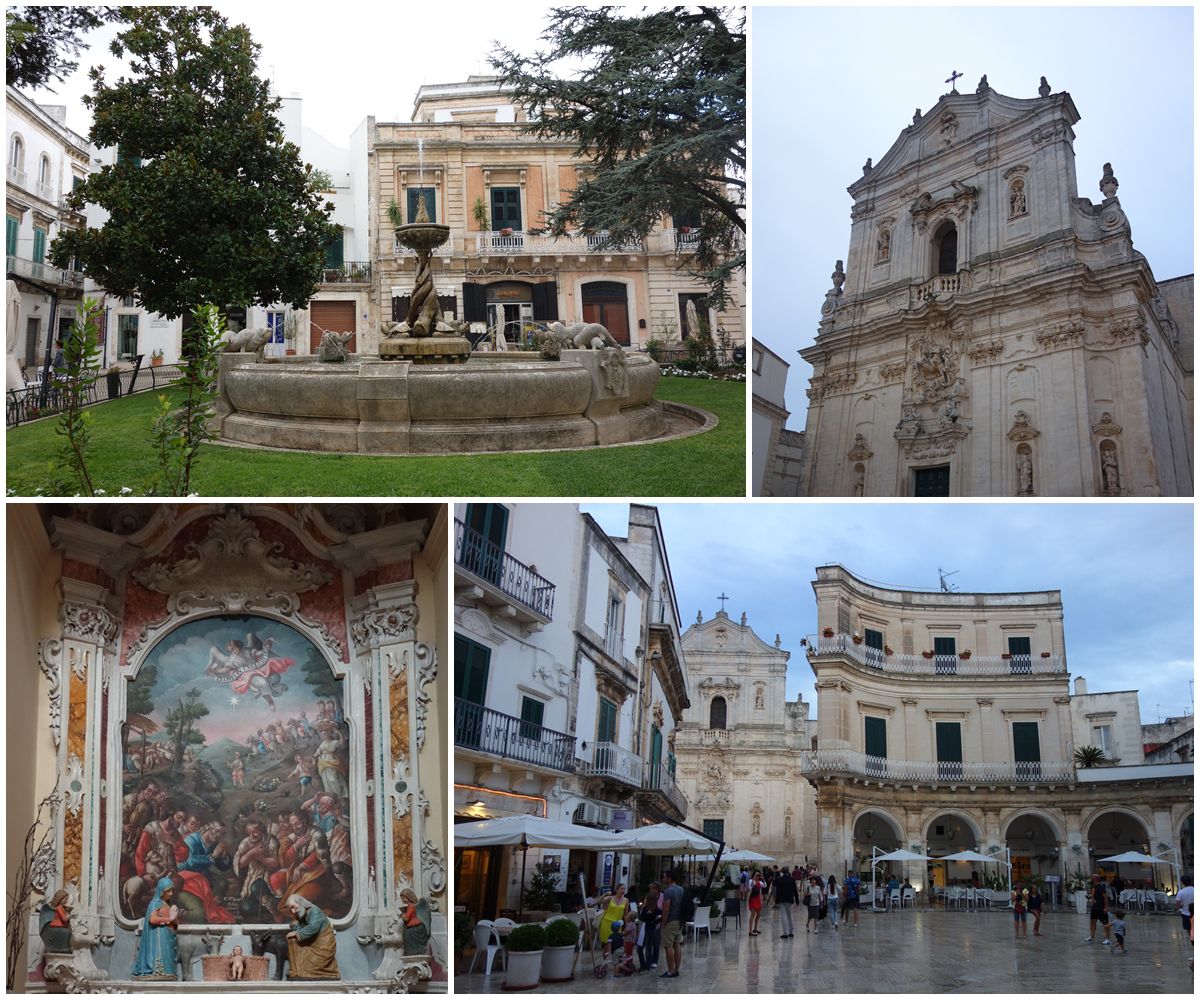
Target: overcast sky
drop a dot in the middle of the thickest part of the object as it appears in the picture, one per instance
(366, 60)
(831, 87)
(1124, 569)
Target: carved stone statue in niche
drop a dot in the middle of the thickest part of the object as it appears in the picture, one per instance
(759, 703)
(1110, 474)
(883, 247)
(1024, 474)
(860, 477)
(756, 821)
(1016, 199)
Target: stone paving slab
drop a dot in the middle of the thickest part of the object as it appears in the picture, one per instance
(909, 952)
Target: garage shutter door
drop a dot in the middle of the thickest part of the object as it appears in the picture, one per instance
(336, 316)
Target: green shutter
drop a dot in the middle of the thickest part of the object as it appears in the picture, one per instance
(714, 829)
(471, 663)
(949, 742)
(490, 520)
(12, 231)
(606, 723)
(39, 245)
(1026, 745)
(532, 712)
(334, 252)
(506, 208)
(876, 736)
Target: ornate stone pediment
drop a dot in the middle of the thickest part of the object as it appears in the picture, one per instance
(1022, 429)
(1105, 427)
(861, 451)
(1062, 335)
(233, 569)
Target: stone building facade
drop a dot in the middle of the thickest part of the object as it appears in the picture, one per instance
(466, 153)
(945, 722)
(569, 685)
(741, 743)
(114, 611)
(992, 332)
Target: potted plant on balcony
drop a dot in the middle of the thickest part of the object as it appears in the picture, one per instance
(480, 215)
(965, 654)
(928, 654)
(827, 633)
(525, 946)
(857, 639)
(1006, 656)
(395, 214)
(1045, 656)
(558, 958)
(887, 650)
(156, 358)
(506, 231)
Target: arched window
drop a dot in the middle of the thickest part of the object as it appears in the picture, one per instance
(16, 152)
(717, 714)
(44, 169)
(945, 249)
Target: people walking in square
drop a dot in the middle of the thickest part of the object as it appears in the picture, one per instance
(1118, 931)
(1035, 908)
(758, 890)
(672, 926)
(785, 900)
(1020, 928)
(1098, 910)
(813, 899)
(853, 889)
(832, 901)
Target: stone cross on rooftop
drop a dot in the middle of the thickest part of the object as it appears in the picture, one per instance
(722, 597)
(953, 77)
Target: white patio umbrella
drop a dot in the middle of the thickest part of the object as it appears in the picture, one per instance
(740, 855)
(1136, 858)
(976, 857)
(900, 854)
(532, 831)
(663, 838)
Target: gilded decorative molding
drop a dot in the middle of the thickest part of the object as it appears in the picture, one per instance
(87, 623)
(49, 653)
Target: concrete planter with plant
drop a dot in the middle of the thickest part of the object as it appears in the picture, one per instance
(558, 957)
(525, 945)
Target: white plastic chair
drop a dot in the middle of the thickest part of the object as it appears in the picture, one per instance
(894, 898)
(909, 898)
(701, 922)
(486, 939)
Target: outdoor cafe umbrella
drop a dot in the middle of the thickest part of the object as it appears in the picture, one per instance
(975, 856)
(1135, 858)
(663, 838)
(897, 855)
(532, 831)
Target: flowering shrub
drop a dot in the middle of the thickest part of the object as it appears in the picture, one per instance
(729, 375)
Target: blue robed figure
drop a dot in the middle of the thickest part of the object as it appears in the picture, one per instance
(158, 954)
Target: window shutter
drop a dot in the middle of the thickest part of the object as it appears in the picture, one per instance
(876, 736)
(474, 302)
(400, 307)
(545, 302)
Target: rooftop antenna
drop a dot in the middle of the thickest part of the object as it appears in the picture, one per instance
(947, 588)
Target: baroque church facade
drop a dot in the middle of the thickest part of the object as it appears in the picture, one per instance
(991, 332)
(741, 741)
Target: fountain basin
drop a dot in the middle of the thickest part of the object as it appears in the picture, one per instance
(369, 406)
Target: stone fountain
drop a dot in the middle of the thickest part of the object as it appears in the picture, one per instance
(423, 337)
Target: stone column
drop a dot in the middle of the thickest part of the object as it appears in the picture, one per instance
(78, 660)
(396, 671)
(1066, 747)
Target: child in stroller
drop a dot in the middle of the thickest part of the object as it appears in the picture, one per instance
(621, 949)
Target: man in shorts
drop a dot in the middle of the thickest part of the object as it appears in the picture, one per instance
(672, 931)
(853, 889)
(1184, 900)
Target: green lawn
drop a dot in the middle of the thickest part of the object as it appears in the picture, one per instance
(704, 465)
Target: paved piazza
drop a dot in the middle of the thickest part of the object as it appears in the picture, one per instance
(909, 952)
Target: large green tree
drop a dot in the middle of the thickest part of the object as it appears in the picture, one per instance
(207, 202)
(41, 44)
(659, 108)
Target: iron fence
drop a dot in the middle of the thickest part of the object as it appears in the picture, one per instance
(35, 401)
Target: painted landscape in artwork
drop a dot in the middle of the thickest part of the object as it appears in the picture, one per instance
(235, 775)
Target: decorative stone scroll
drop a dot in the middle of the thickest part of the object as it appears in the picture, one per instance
(87, 623)
(1129, 331)
(1069, 334)
(49, 654)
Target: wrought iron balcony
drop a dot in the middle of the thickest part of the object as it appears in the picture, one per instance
(508, 243)
(500, 735)
(659, 779)
(44, 273)
(936, 664)
(351, 272)
(615, 763)
(490, 565)
(855, 762)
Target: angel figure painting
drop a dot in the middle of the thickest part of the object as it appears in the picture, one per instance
(236, 776)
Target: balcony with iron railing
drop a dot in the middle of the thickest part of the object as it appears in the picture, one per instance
(614, 763)
(660, 781)
(509, 243)
(943, 665)
(349, 272)
(501, 578)
(859, 764)
(44, 273)
(505, 736)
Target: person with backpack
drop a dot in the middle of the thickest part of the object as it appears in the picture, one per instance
(853, 888)
(754, 903)
(672, 925)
